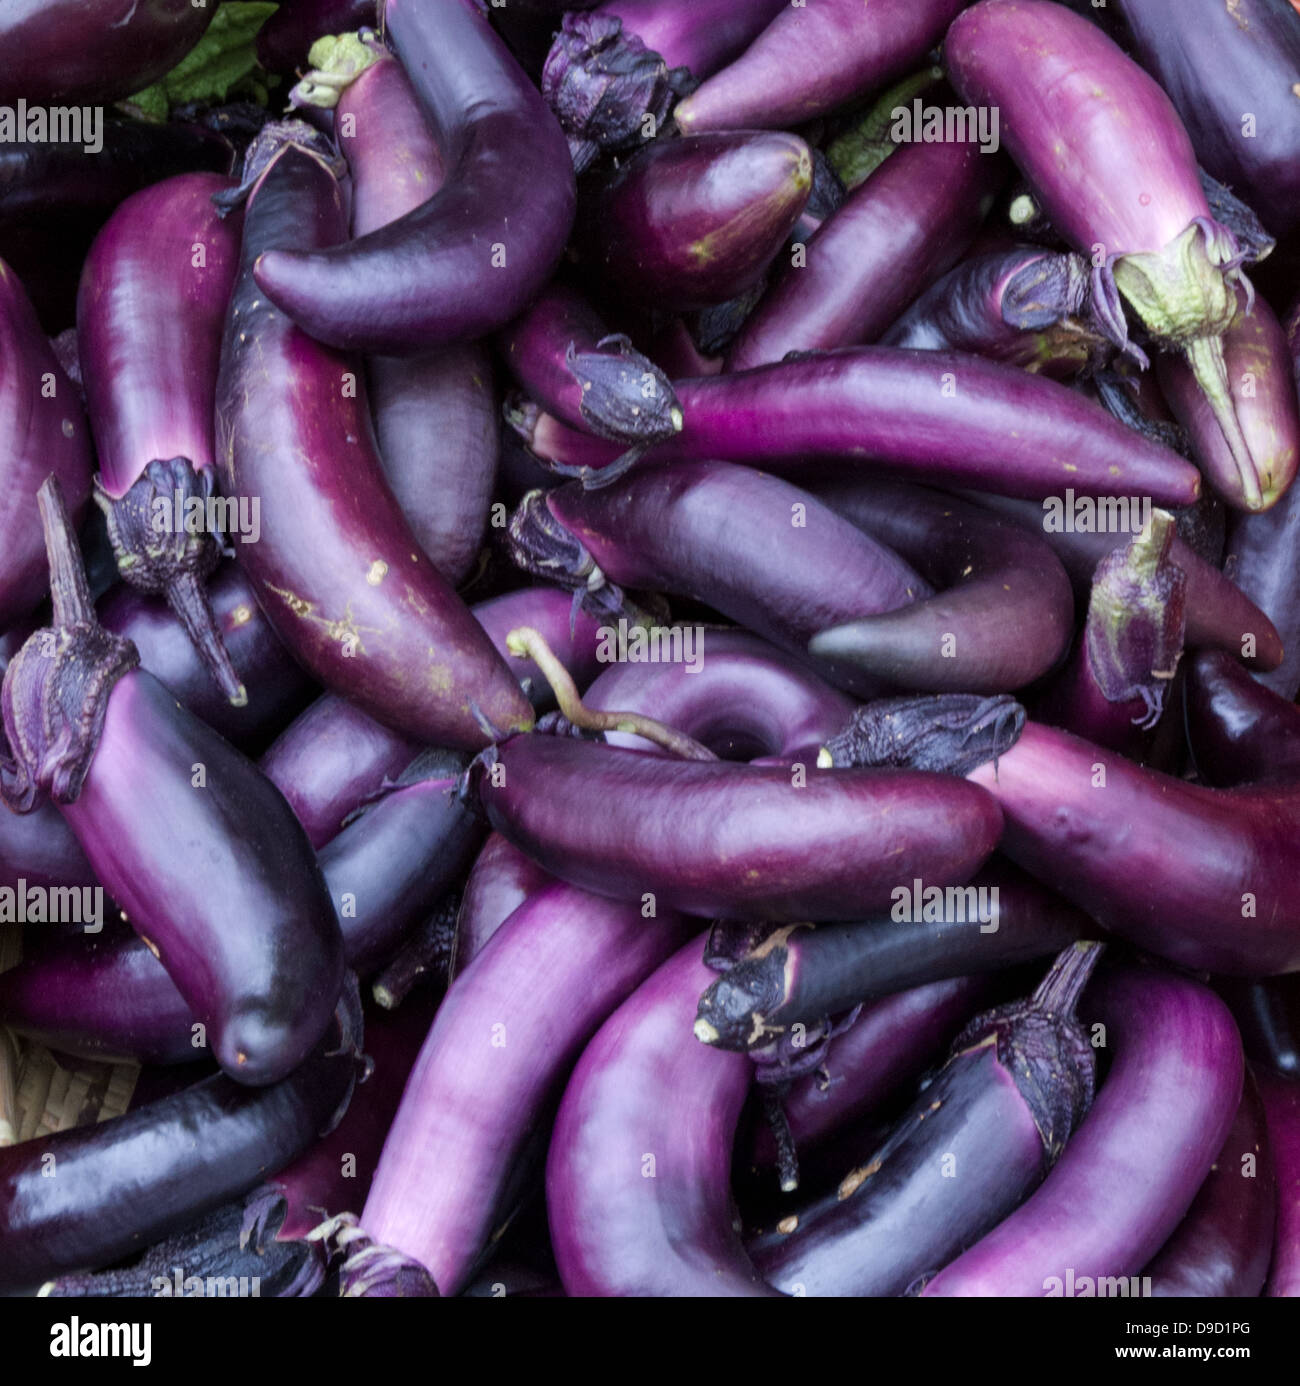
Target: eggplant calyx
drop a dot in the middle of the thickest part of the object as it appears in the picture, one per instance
(1045, 291)
(1230, 211)
(1042, 1044)
(1188, 289)
(272, 140)
(370, 1269)
(625, 397)
(953, 733)
(1135, 625)
(732, 1012)
(335, 61)
(167, 540)
(731, 941)
(57, 686)
(542, 546)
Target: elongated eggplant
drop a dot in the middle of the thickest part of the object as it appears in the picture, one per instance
(638, 1176)
(337, 569)
(738, 841)
(1231, 71)
(93, 51)
(692, 222)
(976, 1140)
(244, 926)
(1025, 306)
(122, 1184)
(894, 236)
(504, 1035)
(1004, 610)
(1133, 1168)
(43, 432)
(1239, 731)
(470, 258)
(700, 37)
(1069, 98)
(150, 313)
(815, 59)
(1282, 1109)
(1200, 876)
(501, 880)
(803, 974)
(1221, 1248)
(38, 848)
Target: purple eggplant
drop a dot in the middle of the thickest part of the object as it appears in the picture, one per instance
(337, 569)
(692, 222)
(976, 1140)
(93, 51)
(284, 41)
(935, 416)
(740, 841)
(510, 1028)
(1133, 1168)
(561, 353)
(1239, 731)
(38, 849)
(1115, 171)
(909, 223)
(150, 314)
(1262, 565)
(1231, 71)
(700, 37)
(1221, 1248)
(817, 58)
(470, 258)
(638, 1176)
(119, 1185)
(1282, 1109)
(1004, 610)
(198, 849)
(43, 432)
(501, 880)
(929, 934)
(1024, 306)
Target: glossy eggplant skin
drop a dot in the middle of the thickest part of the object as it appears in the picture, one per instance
(43, 431)
(510, 1028)
(501, 879)
(1282, 1108)
(94, 51)
(123, 1184)
(471, 257)
(38, 848)
(645, 1100)
(337, 569)
(700, 36)
(1240, 731)
(732, 841)
(1218, 63)
(1221, 1249)
(1133, 1168)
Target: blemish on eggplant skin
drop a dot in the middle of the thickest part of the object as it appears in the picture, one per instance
(378, 570)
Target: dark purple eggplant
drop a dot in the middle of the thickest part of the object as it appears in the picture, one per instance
(95, 1194)
(638, 1189)
(1132, 1170)
(284, 41)
(150, 314)
(337, 569)
(906, 225)
(817, 58)
(1221, 1248)
(470, 258)
(1240, 732)
(977, 1139)
(198, 849)
(802, 974)
(501, 880)
(39, 849)
(509, 1029)
(1282, 1108)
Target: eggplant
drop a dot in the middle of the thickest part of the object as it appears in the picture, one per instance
(1133, 1168)
(124, 1183)
(337, 569)
(466, 261)
(1003, 613)
(150, 312)
(94, 51)
(906, 225)
(1221, 1248)
(943, 417)
(814, 59)
(693, 222)
(509, 1029)
(700, 37)
(284, 41)
(501, 879)
(1025, 306)
(43, 432)
(198, 849)
(1282, 1109)
(1069, 99)
(741, 841)
(801, 975)
(1231, 72)
(1239, 731)
(638, 1189)
(39, 849)
(976, 1140)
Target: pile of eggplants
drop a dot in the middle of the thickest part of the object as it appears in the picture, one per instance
(649, 647)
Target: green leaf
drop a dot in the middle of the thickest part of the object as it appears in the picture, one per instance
(222, 58)
(864, 146)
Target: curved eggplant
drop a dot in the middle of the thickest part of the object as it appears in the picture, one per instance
(1240, 732)
(501, 879)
